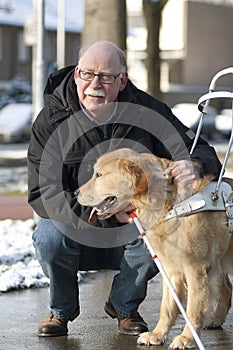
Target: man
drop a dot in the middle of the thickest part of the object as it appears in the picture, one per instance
(90, 109)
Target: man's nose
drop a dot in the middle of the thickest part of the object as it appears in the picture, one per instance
(96, 81)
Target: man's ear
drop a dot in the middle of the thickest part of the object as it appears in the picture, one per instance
(124, 80)
(76, 74)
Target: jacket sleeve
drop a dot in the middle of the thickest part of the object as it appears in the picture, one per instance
(176, 138)
(47, 194)
(203, 153)
(39, 135)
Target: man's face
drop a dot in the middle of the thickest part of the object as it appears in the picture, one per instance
(93, 94)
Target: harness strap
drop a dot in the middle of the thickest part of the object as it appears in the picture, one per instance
(185, 208)
(202, 201)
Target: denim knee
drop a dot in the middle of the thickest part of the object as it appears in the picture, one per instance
(50, 244)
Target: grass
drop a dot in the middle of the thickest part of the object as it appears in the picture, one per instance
(13, 193)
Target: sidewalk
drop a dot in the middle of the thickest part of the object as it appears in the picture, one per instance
(21, 312)
(15, 207)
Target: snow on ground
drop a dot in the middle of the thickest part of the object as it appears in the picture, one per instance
(19, 268)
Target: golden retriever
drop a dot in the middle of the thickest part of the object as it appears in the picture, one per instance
(195, 250)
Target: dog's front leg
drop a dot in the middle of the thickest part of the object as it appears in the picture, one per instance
(168, 315)
(199, 305)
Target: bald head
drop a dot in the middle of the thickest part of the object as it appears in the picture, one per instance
(105, 51)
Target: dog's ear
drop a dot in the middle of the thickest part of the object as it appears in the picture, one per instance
(138, 176)
(161, 165)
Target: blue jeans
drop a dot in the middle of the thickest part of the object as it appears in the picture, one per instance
(61, 258)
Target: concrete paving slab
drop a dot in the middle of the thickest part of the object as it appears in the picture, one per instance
(21, 311)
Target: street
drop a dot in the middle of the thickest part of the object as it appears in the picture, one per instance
(21, 312)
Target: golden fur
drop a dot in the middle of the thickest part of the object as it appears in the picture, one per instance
(196, 251)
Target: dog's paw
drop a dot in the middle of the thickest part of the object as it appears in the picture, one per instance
(182, 342)
(150, 338)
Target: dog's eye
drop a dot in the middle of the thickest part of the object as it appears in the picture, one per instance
(98, 175)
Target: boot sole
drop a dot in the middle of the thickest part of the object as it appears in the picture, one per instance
(51, 335)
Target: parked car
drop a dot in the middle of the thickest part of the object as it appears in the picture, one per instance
(189, 115)
(15, 122)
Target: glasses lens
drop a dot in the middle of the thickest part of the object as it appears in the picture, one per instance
(107, 79)
(86, 75)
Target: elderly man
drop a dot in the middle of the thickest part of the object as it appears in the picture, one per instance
(89, 109)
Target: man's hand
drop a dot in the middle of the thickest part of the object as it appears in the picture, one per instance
(123, 215)
(185, 172)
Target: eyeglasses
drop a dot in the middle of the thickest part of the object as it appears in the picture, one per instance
(104, 78)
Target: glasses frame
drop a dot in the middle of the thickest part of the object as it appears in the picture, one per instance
(99, 75)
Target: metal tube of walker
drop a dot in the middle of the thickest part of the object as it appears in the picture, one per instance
(210, 95)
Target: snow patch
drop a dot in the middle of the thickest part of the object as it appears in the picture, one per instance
(19, 268)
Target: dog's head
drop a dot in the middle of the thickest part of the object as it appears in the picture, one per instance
(120, 177)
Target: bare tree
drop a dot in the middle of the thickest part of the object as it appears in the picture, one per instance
(153, 14)
(105, 20)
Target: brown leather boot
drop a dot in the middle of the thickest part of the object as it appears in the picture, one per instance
(133, 325)
(52, 326)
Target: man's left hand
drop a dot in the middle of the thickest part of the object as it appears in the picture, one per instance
(185, 172)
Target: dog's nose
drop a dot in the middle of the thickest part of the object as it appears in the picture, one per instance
(76, 192)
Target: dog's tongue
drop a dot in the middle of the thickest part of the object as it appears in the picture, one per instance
(101, 208)
(92, 215)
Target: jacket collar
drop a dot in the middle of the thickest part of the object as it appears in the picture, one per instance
(128, 95)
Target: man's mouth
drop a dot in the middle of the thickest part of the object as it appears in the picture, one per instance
(101, 208)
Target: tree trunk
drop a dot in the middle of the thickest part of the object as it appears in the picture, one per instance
(105, 20)
(153, 14)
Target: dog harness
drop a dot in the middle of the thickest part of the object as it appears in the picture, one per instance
(205, 200)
